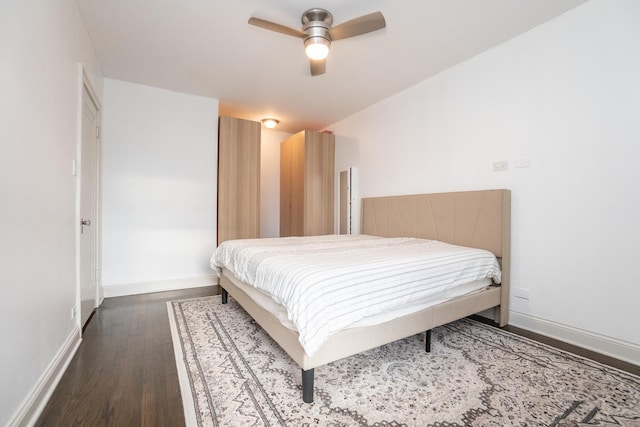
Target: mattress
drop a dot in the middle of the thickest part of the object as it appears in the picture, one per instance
(265, 301)
(323, 284)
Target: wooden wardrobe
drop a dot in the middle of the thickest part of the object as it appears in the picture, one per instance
(238, 179)
(306, 184)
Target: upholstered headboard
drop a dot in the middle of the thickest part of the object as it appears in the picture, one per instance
(479, 219)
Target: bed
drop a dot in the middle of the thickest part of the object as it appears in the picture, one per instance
(472, 219)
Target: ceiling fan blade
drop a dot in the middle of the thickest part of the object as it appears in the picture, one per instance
(268, 25)
(318, 66)
(355, 27)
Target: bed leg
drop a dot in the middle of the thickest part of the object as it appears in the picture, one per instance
(225, 295)
(427, 346)
(307, 386)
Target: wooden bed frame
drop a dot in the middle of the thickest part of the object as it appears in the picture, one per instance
(479, 219)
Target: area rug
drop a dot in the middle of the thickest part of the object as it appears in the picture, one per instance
(233, 374)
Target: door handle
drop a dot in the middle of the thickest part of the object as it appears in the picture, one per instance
(83, 223)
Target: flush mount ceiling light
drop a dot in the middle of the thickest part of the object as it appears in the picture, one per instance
(317, 33)
(270, 123)
(317, 47)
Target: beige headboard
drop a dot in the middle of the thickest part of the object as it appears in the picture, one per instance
(479, 219)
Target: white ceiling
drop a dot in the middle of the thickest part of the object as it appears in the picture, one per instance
(206, 47)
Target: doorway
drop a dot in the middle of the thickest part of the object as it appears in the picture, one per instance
(88, 273)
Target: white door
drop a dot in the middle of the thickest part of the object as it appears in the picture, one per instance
(88, 206)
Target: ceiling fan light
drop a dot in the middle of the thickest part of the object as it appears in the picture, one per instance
(317, 47)
(270, 123)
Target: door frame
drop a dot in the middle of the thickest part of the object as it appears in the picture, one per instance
(84, 82)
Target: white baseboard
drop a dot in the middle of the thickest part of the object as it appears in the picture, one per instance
(33, 405)
(619, 349)
(158, 286)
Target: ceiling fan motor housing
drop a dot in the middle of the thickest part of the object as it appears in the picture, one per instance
(316, 23)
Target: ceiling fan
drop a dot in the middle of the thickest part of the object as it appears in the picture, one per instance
(318, 33)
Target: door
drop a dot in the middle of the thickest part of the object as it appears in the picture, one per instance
(88, 206)
(238, 179)
(319, 155)
(285, 188)
(292, 186)
(345, 201)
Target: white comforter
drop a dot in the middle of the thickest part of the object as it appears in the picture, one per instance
(327, 283)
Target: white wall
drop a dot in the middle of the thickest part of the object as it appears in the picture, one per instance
(41, 44)
(270, 182)
(566, 96)
(159, 190)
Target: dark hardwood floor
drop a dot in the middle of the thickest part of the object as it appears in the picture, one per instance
(124, 372)
(598, 357)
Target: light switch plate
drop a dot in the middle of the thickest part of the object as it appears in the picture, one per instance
(501, 165)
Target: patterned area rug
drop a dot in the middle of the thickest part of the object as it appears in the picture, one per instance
(233, 374)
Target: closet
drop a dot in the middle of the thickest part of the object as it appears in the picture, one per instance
(306, 184)
(238, 179)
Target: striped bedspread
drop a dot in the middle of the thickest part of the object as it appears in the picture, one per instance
(327, 283)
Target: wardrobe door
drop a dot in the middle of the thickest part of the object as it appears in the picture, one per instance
(298, 182)
(319, 182)
(285, 188)
(292, 179)
(306, 184)
(238, 179)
